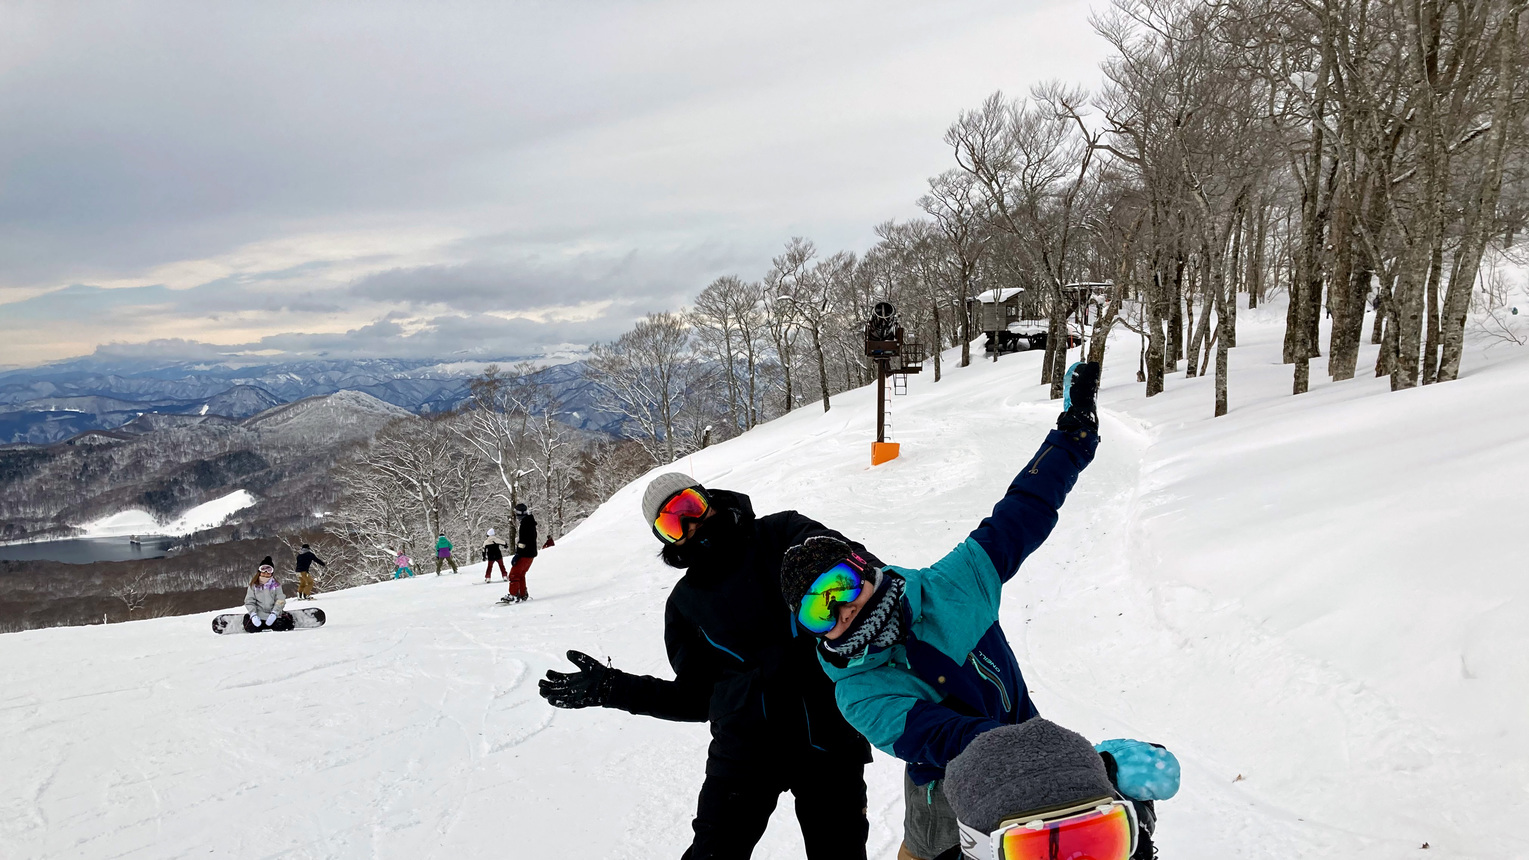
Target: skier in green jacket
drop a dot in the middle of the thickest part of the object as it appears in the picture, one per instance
(443, 554)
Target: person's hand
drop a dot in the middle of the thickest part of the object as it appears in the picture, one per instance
(255, 619)
(1080, 392)
(590, 687)
(270, 619)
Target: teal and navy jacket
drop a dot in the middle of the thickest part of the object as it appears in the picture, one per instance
(954, 675)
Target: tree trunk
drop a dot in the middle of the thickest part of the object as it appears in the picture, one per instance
(1430, 368)
(939, 342)
(1256, 262)
(1157, 351)
(1225, 326)
(1228, 306)
(1481, 204)
(966, 327)
(1176, 316)
(1200, 333)
(1341, 302)
(1058, 336)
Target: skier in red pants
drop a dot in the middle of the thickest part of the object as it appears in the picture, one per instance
(493, 556)
(525, 551)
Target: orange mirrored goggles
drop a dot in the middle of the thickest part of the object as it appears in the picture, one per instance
(689, 504)
(1101, 830)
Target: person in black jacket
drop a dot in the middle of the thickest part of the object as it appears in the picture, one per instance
(305, 560)
(493, 554)
(740, 663)
(520, 559)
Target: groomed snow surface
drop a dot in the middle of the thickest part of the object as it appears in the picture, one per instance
(208, 515)
(1313, 601)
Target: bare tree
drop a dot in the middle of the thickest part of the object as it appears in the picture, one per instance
(645, 375)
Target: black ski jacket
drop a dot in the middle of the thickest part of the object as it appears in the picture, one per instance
(525, 541)
(305, 559)
(738, 659)
(491, 551)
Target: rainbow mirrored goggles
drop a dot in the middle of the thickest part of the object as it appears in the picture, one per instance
(840, 584)
(1098, 830)
(686, 505)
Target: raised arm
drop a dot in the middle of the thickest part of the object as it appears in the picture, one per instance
(1027, 513)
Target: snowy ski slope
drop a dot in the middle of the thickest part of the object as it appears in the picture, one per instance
(1318, 595)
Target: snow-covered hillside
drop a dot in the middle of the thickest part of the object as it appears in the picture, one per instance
(1310, 600)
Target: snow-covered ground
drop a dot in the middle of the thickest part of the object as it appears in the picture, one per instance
(1310, 600)
(134, 521)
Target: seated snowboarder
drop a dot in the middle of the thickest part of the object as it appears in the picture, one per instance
(443, 554)
(1039, 790)
(739, 665)
(264, 602)
(919, 662)
(305, 560)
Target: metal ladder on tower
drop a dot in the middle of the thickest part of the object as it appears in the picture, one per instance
(891, 383)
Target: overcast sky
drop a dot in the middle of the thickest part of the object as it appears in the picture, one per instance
(461, 180)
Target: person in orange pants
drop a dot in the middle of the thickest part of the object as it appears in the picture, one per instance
(525, 551)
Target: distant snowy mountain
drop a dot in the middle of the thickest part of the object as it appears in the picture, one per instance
(43, 405)
(327, 418)
(162, 464)
(241, 401)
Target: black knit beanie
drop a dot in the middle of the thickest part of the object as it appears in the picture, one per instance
(1010, 771)
(266, 562)
(807, 561)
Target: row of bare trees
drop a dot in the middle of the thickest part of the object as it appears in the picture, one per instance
(464, 472)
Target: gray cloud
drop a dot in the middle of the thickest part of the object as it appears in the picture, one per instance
(297, 167)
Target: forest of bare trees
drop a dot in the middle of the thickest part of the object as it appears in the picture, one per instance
(1343, 156)
(463, 472)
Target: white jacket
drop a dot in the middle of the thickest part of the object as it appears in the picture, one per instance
(263, 601)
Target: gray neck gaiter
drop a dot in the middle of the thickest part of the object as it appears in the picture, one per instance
(879, 623)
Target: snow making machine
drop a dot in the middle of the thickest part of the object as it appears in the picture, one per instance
(895, 356)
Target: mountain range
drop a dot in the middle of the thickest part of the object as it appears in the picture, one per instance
(52, 403)
(164, 463)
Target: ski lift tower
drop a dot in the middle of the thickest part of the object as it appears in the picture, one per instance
(894, 356)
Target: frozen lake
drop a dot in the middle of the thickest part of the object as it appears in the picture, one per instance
(87, 550)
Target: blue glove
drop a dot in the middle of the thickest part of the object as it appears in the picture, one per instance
(1143, 771)
(270, 619)
(254, 619)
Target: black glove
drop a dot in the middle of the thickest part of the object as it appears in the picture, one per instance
(590, 687)
(1079, 401)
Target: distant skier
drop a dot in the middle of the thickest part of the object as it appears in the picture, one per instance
(919, 663)
(739, 665)
(525, 552)
(306, 559)
(1039, 790)
(264, 602)
(443, 554)
(405, 565)
(493, 554)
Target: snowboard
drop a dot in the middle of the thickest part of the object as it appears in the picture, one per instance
(305, 618)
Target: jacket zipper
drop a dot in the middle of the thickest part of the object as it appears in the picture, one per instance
(1035, 468)
(992, 676)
